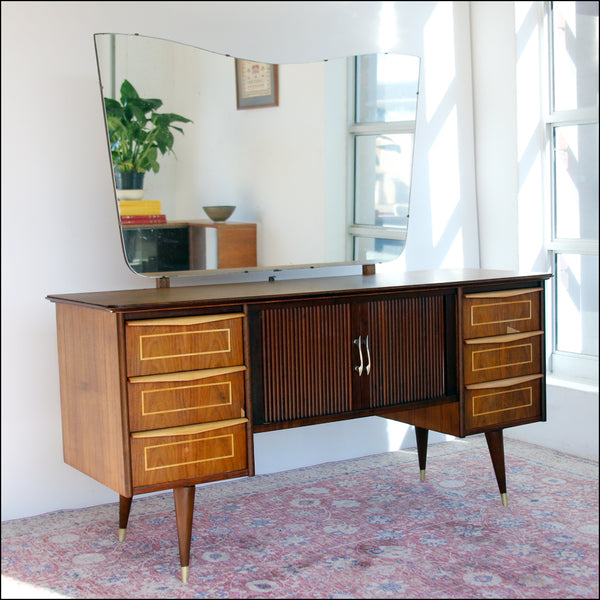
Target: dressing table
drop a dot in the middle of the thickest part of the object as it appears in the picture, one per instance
(164, 388)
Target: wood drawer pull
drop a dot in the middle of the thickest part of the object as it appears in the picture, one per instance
(196, 320)
(189, 429)
(503, 293)
(500, 383)
(501, 339)
(186, 375)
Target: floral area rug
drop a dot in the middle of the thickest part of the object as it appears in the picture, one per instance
(361, 528)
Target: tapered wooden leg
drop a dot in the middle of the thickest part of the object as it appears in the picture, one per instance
(184, 512)
(495, 444)
(422, 435)
(124, 509)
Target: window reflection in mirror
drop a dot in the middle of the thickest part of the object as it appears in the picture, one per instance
(285, 168)
(381, 145)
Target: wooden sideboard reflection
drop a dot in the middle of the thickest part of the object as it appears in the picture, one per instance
(190, 245)
(164, 388)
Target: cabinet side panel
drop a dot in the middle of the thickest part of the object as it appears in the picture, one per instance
(90, 395)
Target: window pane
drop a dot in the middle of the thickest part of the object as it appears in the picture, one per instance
(377, 249)
(575, 54)
(382, 179)
(577, 303)
(576, 181)
(386, 88)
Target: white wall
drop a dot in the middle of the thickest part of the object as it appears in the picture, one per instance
(59, 226)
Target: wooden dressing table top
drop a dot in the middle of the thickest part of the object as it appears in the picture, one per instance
(124, 300)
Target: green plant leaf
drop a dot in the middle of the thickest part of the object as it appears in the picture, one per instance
(137, 132)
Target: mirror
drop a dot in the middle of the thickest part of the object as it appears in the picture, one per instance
(311, 185)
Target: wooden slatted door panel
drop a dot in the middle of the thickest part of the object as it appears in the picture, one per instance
(307, 364)
(406, 344)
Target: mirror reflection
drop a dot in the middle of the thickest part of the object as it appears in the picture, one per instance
(315, 158)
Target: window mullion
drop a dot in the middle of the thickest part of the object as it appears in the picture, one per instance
(569, 246)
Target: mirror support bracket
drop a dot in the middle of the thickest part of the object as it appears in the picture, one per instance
(163, 282)
(368, 269)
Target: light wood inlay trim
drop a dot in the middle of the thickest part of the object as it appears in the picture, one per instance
(146, 399)
(228, 437)
(197, 320)
(501, 339)
(189, 429)
(503, 382)
(186, 375)
(486, 367)
(509, 320)
(225, 350)
(503, 293)
(528, 390)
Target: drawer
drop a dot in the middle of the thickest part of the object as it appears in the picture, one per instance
(190, 452)
(500, 313)
(184, 398)
(502, 402)
(184, 344)
(503, 356)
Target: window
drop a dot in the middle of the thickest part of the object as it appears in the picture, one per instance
(572, 130)
(384, 91)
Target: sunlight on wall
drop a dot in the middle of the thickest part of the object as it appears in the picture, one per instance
(440, 107)
(530, 139)
(445, 192)
(387, 27)
(439, 51)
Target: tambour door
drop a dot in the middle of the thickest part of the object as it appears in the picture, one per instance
(334, 358)
(403, 343)
(302, 361)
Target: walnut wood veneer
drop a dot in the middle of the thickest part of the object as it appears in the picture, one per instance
(163, 388)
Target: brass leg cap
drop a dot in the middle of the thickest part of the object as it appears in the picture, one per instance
(185, 574)
(422, 474)
(122, 534)
(504, 499)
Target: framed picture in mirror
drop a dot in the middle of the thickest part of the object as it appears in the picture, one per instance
(256, 84)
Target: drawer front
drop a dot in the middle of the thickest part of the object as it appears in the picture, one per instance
(191, 452)
(184, 344)
(158, 401)
(490, 359)
(501, 313)
(503, 402)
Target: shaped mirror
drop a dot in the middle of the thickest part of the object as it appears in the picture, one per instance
(315, 158)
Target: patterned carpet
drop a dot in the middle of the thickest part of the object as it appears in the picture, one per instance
(361, 528)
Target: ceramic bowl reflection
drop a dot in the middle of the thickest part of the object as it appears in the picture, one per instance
(219, 213)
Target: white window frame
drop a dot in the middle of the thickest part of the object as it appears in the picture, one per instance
(564, 365)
